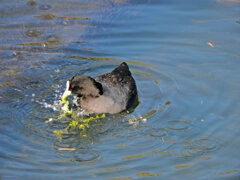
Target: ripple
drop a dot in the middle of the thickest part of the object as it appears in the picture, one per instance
(152, 132)
(53, 41)
(126, 133)
(150, 100)
(146, 76)
(77, 153)
(177, 74)
(178, 126)
(41, 101)
(86, 155)
(46, 104)
(197, 148)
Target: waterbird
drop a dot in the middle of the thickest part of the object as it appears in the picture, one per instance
(111, 93)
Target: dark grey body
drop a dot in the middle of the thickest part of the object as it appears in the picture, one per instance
(110, 93)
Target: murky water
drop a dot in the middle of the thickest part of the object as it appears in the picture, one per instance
(184, 56)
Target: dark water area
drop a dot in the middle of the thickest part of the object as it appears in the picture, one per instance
(184, 56)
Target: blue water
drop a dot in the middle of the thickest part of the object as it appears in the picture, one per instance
(184, 56)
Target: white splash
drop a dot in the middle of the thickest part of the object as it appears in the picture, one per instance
(66, 92)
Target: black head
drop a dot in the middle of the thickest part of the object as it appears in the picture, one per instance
(83, 85)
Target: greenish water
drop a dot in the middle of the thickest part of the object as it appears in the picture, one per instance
(184, 56)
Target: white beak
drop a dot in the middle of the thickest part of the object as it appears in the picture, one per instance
(66, 92)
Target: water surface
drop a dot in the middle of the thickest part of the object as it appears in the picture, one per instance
(184, 56)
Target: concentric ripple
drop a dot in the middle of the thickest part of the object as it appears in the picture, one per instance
(198, 147)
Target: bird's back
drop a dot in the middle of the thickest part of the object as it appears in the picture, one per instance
(119, 85)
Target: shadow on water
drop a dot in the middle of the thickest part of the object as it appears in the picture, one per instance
(185, 121)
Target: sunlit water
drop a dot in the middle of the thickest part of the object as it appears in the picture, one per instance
(184, 56)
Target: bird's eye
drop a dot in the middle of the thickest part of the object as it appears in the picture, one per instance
(76, 88)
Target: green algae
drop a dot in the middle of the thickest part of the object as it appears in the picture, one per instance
(77, 124)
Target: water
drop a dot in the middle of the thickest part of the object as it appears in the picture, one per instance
(184, 56)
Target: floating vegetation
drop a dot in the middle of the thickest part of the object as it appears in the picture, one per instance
(51, 41)
(166, 152)
(46, 17)
(51, 17)
(133, 157)
(67, 149)
(228, 172)
(119, 146)
(77, 123)
(33, 33)
(144, 118)
(84, 123)
(80, 42)
(58, 134)
(92, 58)
(211, 45)
(146, 174)
(183, 166)
(73, 18)
(122, 178)
(31, 3)
(206, 158)
(112, 169)
(31, 44)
